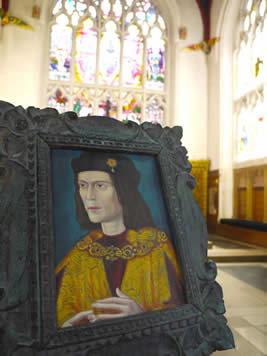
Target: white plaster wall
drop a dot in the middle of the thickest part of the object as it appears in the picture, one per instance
(213, 137)
(21, 57)
(192, 85)
(220, 124)
(188, 91)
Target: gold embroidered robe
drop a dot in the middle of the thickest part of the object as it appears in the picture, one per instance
(145, 278)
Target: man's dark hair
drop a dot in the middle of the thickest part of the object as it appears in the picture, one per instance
(125, 178)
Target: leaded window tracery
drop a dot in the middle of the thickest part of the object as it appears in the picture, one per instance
(108, 57)
(250, 82)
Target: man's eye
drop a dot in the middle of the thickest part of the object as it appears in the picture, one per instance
(82, 185)
(101, 186)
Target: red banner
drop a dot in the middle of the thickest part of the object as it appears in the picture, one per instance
(5, 5)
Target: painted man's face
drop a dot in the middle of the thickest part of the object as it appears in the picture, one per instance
(99, 196)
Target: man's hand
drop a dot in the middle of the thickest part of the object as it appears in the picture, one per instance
(80, 319)
(116, 307)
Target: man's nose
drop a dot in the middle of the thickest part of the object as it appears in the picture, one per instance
(90, 195)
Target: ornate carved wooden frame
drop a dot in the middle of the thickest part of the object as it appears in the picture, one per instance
(27, 285)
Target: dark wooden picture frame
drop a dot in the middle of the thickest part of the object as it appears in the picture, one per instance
(27, 279)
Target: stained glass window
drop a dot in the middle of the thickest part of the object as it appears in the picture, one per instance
(83, 103)
(58, 100)
(133, 58)
(131, 110)
(60, 52)
(154, 112)
(155, 60)
(251, 79)
(107, 57)
(107, 107)
(86, 44)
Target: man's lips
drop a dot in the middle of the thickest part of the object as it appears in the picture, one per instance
(93, 208)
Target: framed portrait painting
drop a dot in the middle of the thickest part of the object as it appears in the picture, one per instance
(104, 247)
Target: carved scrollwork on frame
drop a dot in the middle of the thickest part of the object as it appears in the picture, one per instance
(27, 284)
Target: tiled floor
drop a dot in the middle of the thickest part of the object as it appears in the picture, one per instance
(245, 295)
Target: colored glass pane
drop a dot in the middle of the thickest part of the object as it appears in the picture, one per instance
(70, 6)
(140, 16)
(83, 106)
(129, 18)
(81, 7)
(151, 17)
(60, 52)
(109, 56)
(259, 147)
(258, 54)
(155, 61)
(105, 7)
(131, 111)
(86, 44)
(154, 113)
(107, 107)
(58, 101)
(132, 58)
(242, 136)
(146, 5)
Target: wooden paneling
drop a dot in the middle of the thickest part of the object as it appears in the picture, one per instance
(250, 193)
(242, 234)
(241, 203)
(258, 204)
(213, 200)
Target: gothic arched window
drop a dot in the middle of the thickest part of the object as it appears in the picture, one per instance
(250, 82)
(108, 57)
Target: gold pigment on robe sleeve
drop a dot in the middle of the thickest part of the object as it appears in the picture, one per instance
(151, 269)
